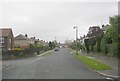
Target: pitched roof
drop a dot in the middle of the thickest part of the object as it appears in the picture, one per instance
(21, 37)
(33, 39)
(105, 27)
(5, 31)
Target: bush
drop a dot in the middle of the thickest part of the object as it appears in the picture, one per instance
(17, 49)
(95, 48)
(103, 46)
(113, 49)
(87, 44)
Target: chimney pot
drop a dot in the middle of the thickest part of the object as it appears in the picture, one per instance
(103, 26)
(25, 35)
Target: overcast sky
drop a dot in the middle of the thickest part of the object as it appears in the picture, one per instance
(47, 20)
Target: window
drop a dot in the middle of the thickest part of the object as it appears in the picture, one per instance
(1, 39)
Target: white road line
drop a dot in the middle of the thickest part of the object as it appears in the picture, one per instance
(8, 67)
(37, 59)
(109, 78)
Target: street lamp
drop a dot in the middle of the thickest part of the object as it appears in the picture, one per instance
(75, 27)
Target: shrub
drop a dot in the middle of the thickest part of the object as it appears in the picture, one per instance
(87, 44)
(103, 46)
(113, 49)
(17, 49)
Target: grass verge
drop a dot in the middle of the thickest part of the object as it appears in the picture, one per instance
(48, 53)
(92, 63)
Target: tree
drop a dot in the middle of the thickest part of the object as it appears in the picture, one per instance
(110, 42)
(87, 43)
(114, 30)
(98, 42)
(115, 34)
(92, 43)
(50, 45)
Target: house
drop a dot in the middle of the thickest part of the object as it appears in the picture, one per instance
(82, 39)
(34, 41)
(42, 42)
(6, 39)
(21, 41)
(105, 27)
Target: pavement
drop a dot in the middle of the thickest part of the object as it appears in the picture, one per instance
(0, 70)
(0, 65)
(58, 65)
(113, 62)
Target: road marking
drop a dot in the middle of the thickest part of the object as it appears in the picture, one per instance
(38, 59)
(109, 78)
(7, 67)
(10, 67)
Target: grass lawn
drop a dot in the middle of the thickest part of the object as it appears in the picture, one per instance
(92, 63)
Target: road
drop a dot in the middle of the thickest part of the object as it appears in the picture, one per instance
(58, 65)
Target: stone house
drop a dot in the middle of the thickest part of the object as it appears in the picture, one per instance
(22, 41)
(6, 39)
(34, 41)
(105, 27)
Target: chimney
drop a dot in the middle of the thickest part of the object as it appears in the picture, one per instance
(103, 25)
(84, 36)
(26, 35)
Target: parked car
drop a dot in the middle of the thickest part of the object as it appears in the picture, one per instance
(56, 49)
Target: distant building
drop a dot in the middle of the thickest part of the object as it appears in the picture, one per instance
(82, 40)
(34, 41)
(43, 42)
(6, 39)
(105, 27)
(22, 41)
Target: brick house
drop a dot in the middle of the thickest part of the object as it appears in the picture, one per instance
(22, 41)
(6, 39)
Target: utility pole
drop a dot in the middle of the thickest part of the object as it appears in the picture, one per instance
(55, 38)
(75, 27)
(55, 41)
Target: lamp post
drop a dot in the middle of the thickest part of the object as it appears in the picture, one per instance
(75, 27)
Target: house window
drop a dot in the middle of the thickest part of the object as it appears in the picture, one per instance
(1, 39)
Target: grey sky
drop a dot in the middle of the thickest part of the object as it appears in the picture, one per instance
(47, 20)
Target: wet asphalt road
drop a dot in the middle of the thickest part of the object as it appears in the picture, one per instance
(58, 65)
